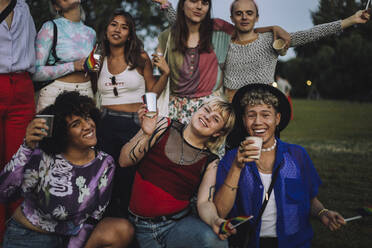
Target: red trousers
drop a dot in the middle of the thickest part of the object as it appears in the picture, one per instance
(17, 108)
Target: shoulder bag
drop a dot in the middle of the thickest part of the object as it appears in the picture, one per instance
(38, 85)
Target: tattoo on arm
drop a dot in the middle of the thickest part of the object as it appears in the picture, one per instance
(211, 193)
(140, 147)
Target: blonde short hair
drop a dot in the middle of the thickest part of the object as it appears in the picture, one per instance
(226, 110)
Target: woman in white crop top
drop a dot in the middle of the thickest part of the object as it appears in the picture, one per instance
(126, 74)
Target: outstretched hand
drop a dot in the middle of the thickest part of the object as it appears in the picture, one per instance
(148, 124)
(332, 220)
(360, 17)
(35, 132)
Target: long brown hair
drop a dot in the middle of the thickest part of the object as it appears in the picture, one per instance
(180, 31)
(133, 47)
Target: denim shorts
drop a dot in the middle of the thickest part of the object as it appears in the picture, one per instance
(18, 236)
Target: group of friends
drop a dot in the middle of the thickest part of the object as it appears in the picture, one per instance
(114, 176)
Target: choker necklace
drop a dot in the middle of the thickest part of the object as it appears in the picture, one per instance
(270, 148)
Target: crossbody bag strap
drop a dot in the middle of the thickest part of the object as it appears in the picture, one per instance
(55, 37)
(268, 193)
(5, 13)
(264, 204)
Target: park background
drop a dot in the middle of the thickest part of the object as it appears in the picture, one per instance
(335, 127)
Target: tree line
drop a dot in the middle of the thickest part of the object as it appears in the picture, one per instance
(339, 67)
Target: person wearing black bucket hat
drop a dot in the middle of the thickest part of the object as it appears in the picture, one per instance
(280, 187)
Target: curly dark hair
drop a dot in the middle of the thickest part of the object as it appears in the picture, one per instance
(68, 103)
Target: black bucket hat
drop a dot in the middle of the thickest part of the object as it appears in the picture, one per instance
(239, 132)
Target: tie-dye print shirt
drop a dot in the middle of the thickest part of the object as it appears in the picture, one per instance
(75, 41)
(195, 74)
(58, 196)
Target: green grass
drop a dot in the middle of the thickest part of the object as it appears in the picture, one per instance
(338, 137)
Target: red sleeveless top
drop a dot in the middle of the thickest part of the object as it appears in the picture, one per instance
(162, 187)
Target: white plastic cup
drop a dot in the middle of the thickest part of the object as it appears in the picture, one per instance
(279, 46)
(149, 98)
(257, 143)
(49, 122)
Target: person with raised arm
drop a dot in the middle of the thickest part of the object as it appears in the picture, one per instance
(175, 163)
(64, 180)
(125, 76)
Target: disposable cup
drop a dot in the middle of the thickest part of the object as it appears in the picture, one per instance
(149, 99)
(258, 143)
(49, 122)
(279, 46)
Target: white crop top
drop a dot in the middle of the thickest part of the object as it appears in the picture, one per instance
(129, 83)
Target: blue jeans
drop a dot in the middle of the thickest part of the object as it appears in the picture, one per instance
(187, 232)
(18, 236)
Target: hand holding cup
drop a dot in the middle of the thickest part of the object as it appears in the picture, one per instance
(280, 47)
(249, 150)
(159, 62)
(36, 130)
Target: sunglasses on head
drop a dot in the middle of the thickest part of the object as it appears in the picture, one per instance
(113, 81)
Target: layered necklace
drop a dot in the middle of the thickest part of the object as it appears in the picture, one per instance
(269, 148)
(182, 159)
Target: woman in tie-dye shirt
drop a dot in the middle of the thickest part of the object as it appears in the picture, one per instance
(74, 43)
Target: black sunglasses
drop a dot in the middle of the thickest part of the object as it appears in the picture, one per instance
(113, 81)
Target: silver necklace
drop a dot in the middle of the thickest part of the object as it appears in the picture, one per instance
(183, 160)
(269, 148)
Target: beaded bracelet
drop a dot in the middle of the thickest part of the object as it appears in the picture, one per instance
(322, 211)
(231, 187)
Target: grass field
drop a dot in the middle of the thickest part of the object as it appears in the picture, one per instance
(338, 137)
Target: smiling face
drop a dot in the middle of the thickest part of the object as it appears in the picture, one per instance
(261, 120)
(117, 31)
(244, 15)
(195, 10)
(208, 121)
(81, 132)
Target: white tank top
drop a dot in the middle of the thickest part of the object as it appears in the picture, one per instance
(268, 220)
(129, 83)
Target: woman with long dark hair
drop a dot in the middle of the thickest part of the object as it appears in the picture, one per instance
(197, 50)
(125, 76)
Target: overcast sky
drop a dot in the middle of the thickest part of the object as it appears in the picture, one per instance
(292, 15)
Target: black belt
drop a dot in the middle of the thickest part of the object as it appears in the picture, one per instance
(176, 216)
